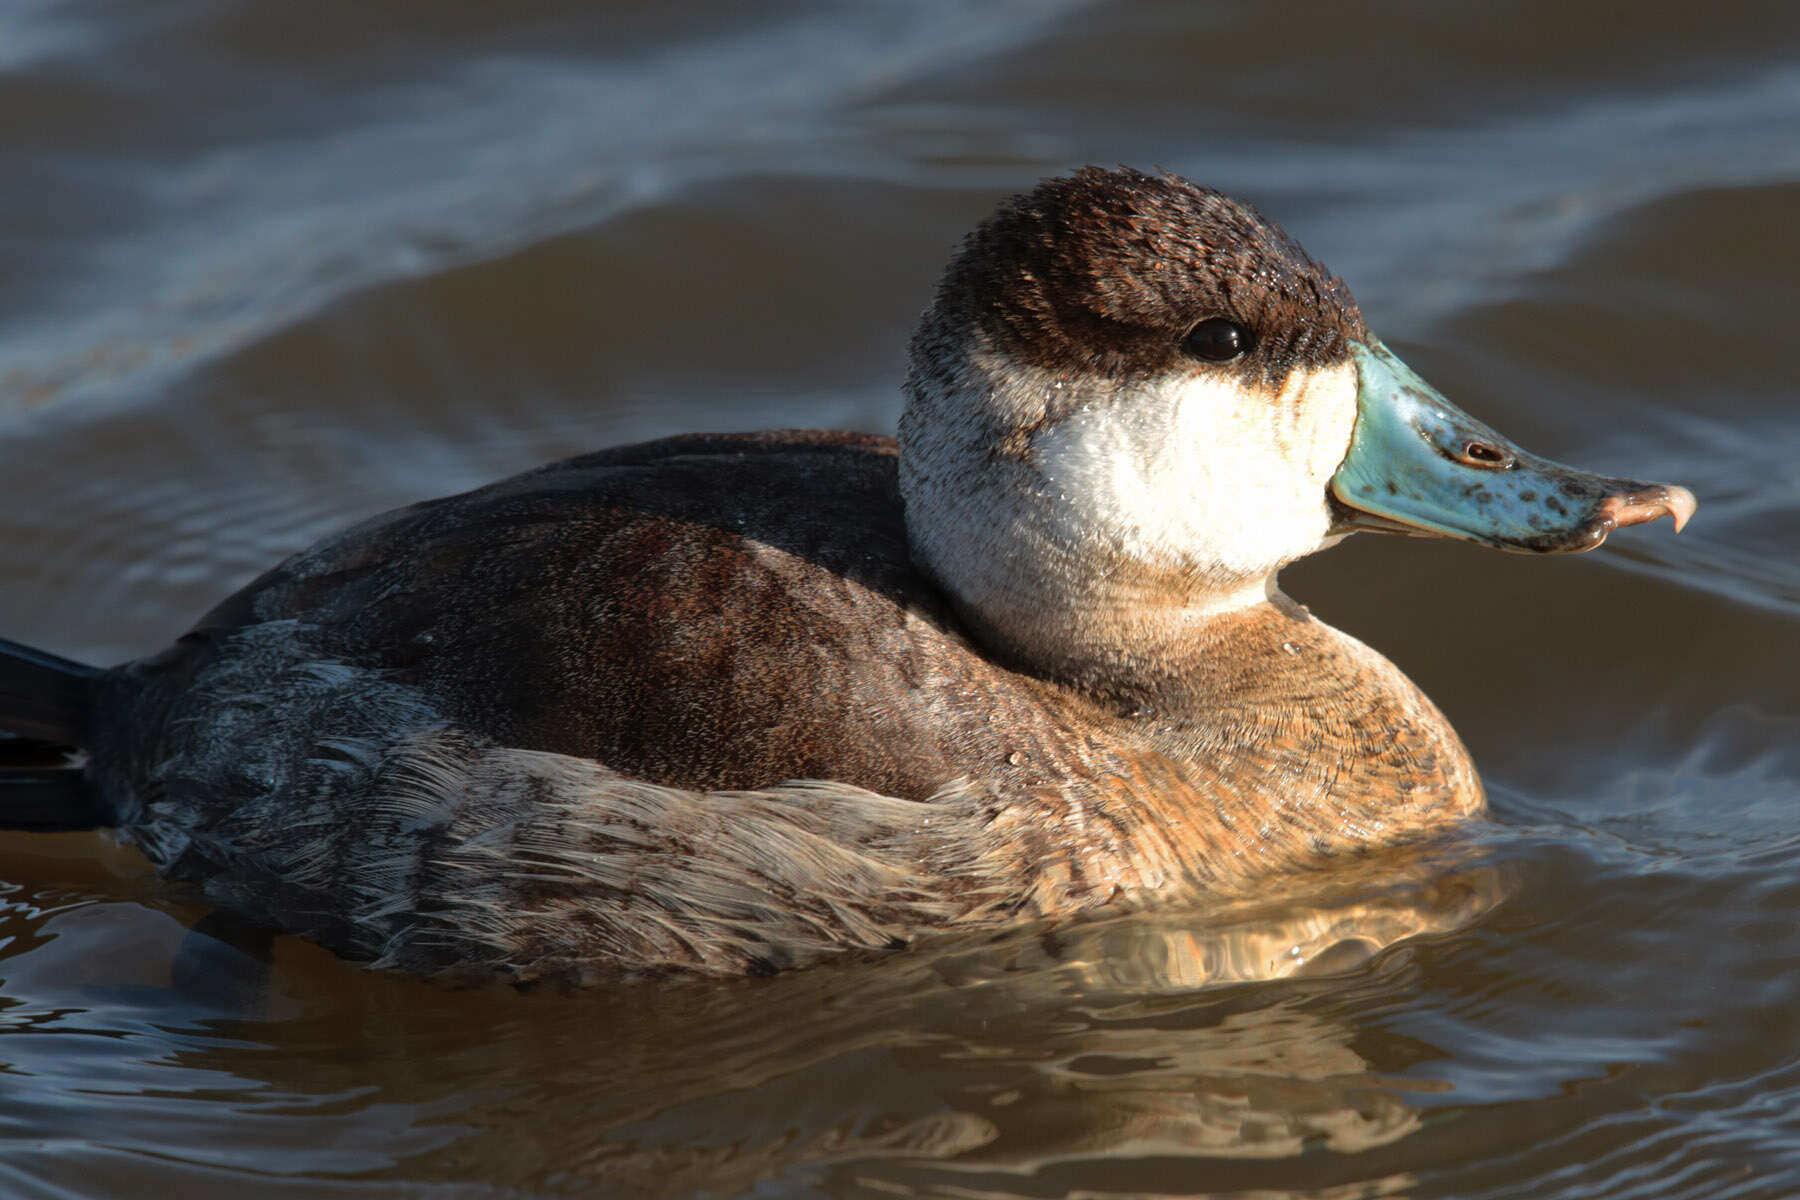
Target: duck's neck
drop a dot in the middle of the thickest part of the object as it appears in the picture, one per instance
(1121, 636)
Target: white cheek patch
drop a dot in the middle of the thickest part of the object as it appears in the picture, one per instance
(1202, 472)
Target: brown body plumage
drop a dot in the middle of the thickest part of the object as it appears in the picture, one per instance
(732, 703)
(429, 790)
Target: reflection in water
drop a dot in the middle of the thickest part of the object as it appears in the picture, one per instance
(1012, 1055)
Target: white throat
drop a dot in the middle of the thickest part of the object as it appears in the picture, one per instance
(1088, 524)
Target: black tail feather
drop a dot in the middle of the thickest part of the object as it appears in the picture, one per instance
(43, 696)
(49, 801)
(43, 704)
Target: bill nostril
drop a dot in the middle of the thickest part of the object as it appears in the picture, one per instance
(1485, 454)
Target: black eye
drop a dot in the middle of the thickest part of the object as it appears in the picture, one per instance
(1217, 340)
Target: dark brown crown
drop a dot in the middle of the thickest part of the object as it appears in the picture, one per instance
(1105, 272)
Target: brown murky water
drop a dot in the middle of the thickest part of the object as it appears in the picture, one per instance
(271, 267)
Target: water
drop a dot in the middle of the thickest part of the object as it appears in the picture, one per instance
(270, 268)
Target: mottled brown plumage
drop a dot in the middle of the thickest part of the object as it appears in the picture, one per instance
(733, 703)
(485, 654)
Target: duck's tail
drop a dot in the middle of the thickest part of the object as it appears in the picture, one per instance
(43, 697)
(43, 705)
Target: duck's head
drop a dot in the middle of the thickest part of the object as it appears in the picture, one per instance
(1134, 400)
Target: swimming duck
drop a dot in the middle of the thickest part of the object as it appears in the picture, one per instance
(732, 703)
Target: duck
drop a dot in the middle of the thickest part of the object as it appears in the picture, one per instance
(730, 704)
